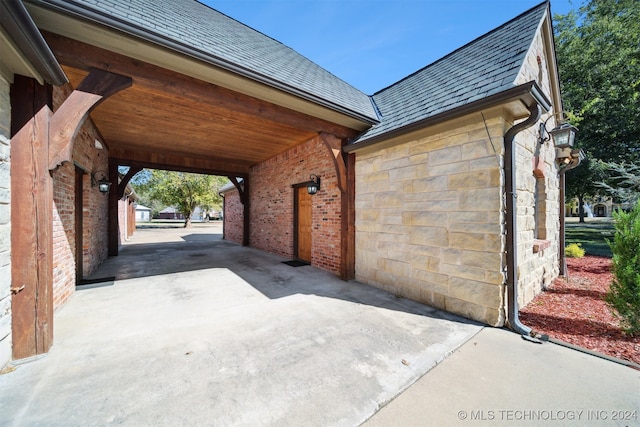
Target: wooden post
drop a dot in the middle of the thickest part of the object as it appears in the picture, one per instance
(345, 175)
(245, 215)
(31, 219)
(348, 217)
(114, 232)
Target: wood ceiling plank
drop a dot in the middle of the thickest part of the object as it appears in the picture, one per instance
(148, 119)
(83, 56)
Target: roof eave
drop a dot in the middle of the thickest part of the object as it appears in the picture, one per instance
(73, 10)
(17, 23)
(529, 93)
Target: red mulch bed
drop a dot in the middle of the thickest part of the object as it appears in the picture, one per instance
(574, 311)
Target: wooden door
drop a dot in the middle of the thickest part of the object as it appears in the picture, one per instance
(303, 224)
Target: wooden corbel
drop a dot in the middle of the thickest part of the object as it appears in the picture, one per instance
(122, 185)
(334, 144)
(68, 119)
(239, 187)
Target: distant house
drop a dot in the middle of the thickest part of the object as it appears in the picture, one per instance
(170, 213)
(143, 213)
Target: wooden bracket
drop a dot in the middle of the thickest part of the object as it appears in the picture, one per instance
(122, 185)
(334, 145)
(67, 121)
(239, 187)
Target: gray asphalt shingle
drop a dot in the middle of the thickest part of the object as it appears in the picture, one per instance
(484, 67)
(193, 25)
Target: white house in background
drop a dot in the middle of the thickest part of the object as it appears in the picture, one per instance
(143, 213)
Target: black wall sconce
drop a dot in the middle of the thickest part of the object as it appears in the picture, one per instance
(563, 135)
(103, 183)
(313, 185)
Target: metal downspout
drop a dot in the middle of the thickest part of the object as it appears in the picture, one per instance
(511, 219)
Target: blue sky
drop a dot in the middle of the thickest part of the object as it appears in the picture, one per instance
(372, 44)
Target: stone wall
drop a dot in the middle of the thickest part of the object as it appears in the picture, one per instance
(88, 158)
(538, 188)
(429, 218)
(5, 223)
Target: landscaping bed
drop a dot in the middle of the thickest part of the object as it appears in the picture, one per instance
(573, 310)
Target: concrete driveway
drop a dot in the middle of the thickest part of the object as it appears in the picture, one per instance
(200, 331)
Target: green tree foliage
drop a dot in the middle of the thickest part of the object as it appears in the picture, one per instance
(623, 182)
(598, 54)
(584, 180)
(185, 191)
(624, 294)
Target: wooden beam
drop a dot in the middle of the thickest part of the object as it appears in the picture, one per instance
(243, 192)
(113, 231)
(348, 219)
(246, 213)
(31, 219)
(84, 56)
(178, 162)
(122, 185)
(239, 187)
(334, 145)
(68, 119)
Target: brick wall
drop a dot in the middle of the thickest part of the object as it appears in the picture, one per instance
(126, 218)
(95, 205)
(272, 197)
(5, 223)
(233, 216)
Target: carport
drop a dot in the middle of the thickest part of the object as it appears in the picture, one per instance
(160, 100)
(232, 337)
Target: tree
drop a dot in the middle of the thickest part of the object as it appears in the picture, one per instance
(185, 191)
(623, 183)
(599, 64)
(624, 295)
(583, 182)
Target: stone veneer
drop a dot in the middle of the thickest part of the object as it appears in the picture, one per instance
(5, 223)
(430, 222)
(429, 219)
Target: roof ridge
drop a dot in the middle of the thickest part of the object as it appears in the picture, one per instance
(488, 33)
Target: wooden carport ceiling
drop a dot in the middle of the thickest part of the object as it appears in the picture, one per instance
(168, 120)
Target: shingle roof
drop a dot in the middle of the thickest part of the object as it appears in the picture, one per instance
(198, 29)
(484, 67)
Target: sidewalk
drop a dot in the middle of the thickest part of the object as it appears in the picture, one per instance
(499, 379)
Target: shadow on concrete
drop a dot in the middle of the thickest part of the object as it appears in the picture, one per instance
(267, 273)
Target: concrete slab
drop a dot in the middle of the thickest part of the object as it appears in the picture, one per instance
(499, 379)
(200, 331)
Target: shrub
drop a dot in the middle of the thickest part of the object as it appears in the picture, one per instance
(574, 250)
(624, 295)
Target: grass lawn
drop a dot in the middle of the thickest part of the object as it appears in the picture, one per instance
(591, 235)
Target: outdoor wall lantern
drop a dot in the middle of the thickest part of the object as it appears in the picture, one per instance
(103, 183)
(313, 185)
(563, 135)
(563, 138)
